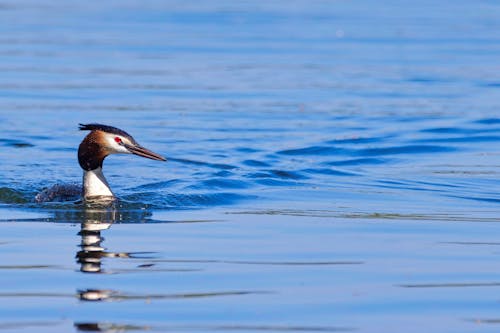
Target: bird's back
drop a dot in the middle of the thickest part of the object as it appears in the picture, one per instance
(59, 192)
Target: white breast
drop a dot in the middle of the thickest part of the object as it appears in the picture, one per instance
(94, 184)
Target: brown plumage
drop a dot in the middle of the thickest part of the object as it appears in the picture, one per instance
(92, 151)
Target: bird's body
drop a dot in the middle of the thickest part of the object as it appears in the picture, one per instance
(102, 141)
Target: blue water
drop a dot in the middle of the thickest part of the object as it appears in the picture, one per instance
(332, 166)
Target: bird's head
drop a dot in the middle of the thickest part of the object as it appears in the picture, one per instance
(105, 140)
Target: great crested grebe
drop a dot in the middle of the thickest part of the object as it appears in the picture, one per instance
(102, 141)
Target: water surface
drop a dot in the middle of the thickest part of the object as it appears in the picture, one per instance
(333, 166)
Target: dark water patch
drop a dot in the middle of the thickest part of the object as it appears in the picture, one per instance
(223, 173)
(207, 164)
(247, 150)
(392, 182)
(40, 137)
(488, 121)
(476, 198)
(451, 186)
(11, 196)
(61, 149)
(411, 149)
(277, 174)
(145, 265)
(284, 174)
(427, 79)
(330, 172)
(142, 255)
(221, 156)
(276, 182)
(222, 183)
(490, 84)
(255, 163)
(317, 150)
(16, 143)
(260, 175)
(448, 130)
(357, 140)
(360, 161)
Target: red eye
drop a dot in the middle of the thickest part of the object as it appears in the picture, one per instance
(118, 140)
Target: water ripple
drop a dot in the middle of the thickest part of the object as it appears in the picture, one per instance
(489, 121)
(411, 149)
(317, 150)
(360, 161)
(359, 140)
(207, 164)
(330, 172)
(255, 163)
(12, 196)
(158, 185)
(328, 163)
(276, 174)
(16, 143)
(221, 183)
(178, 200)
(466, 139)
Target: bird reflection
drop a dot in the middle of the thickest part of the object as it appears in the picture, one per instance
(95, 295)
(108, 327)
(91, 253)
(93, 221)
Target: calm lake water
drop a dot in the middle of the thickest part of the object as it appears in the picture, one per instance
(333, 166)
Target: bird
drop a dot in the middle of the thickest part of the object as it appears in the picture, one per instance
(102, 141)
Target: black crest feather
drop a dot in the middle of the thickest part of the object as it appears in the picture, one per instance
(104, 128)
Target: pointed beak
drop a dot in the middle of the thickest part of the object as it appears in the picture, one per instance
(141, 151)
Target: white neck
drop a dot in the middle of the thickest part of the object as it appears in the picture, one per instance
(94, 184)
